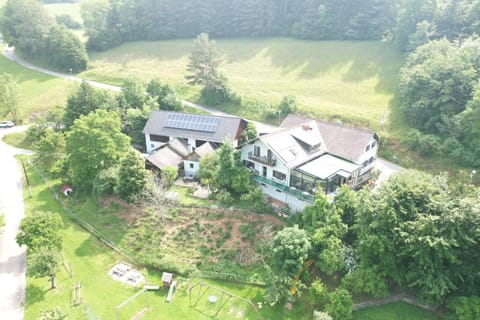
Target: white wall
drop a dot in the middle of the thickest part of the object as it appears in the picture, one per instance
(152, 145)
(295, 204)
(191, 171)
(246, 149)
(367, 155)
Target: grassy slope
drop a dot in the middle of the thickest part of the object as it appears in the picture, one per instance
(38, 92)
(351, 80)
(393, 311)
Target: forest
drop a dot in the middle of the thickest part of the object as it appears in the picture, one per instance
(407, 22)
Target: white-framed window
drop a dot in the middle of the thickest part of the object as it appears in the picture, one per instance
(191, 165)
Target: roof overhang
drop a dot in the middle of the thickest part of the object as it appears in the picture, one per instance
(328, 166)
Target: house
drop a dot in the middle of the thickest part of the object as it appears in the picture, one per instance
(171, 154)
(192, 129)
(291, 163)
(191, 163)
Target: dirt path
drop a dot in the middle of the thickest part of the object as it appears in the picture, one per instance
(12, 257)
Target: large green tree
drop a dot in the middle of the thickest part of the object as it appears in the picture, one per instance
(25, 24)
(94, 142)
(41, 234)
(290, 249)
(203, 62)
(83, 101)
(70, 54)
(436, 83)
(9, 96)
(132, 175)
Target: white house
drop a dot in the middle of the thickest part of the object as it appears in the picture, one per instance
(191, 163)
(303, 155)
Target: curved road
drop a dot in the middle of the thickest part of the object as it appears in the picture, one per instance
(12, 257)
(9, 53)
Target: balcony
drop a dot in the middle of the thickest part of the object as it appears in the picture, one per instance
(292, 191)
(265, 160)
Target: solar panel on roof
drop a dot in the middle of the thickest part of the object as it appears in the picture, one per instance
(192, 122)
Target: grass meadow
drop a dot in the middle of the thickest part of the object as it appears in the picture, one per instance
(394, 311)
(349, 80)
(38, 92)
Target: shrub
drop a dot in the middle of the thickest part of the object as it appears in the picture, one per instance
(35, 133)
(217, 92)
(318, 292)
(169, 175)
(105, 181)
(224, 197)
(340, 305)
(463, 308)
(287, 105)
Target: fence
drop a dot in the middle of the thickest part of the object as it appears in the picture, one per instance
(395, 298)
(88, 227)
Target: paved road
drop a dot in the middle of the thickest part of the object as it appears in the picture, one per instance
(386, 169)
(12, 257)
(9, 53)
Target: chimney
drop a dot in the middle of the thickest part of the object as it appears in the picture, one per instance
(190, 149)
(306, 127)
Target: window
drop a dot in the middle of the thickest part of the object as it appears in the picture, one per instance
(191, 165)
(256, 151)
(367, 148)
(374, 144)
(279, 175)
(365, 164)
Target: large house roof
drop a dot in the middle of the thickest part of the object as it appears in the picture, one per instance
(169, 155)
(300, 139)
(342, 141)
(214, 128)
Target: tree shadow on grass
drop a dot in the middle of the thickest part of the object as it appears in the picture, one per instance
(354, 61)
(34, 295)
(88, 247)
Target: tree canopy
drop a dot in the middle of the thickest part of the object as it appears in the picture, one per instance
(94, 142)
(26, 25)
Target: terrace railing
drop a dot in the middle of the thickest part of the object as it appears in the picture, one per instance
(292, 191)
(269, 161)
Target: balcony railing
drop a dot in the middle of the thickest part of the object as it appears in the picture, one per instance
(265, 160)
(294, 192)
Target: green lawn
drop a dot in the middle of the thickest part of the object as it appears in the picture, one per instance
(38, 92)
(17, 140)
(353, 80)
(394, 311)
(91, 260)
